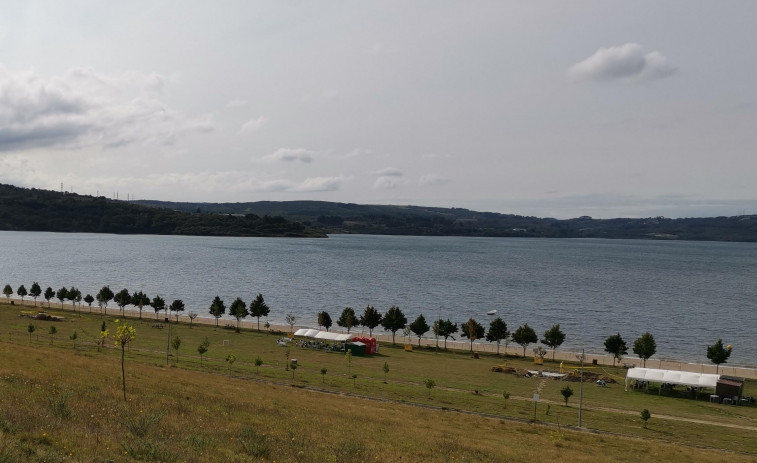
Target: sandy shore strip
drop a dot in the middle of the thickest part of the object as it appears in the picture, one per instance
(591, 359)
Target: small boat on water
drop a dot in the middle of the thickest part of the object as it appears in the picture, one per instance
(491, 312)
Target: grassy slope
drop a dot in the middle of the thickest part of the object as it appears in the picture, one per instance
(207, 416)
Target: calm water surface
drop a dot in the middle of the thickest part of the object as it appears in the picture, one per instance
(687, 294)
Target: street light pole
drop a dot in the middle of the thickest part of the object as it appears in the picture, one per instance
(581, 389)
(168, 342)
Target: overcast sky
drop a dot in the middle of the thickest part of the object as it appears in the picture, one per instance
(545, 108)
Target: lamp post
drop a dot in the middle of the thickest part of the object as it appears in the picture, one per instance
(168, 341)
(581, 388)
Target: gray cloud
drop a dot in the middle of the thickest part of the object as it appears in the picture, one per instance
(388, 172)
(626, 61)
(291, 155)
(82, 108)
(433, 180)
(253, 125)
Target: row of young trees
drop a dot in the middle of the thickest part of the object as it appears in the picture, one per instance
(393, 320)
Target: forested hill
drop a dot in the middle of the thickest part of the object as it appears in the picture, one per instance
(42, 210)
(431, 221)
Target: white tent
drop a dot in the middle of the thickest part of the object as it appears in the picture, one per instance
(325, 335)
(672, 377)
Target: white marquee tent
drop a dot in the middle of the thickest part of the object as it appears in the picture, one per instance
(324, 335)
(672, 377)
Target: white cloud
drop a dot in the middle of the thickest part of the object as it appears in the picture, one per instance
(253, 125)
(83, 108)
(315, 184)
(291, 155)
(388, 183)
(626, 61)
(388, 172)
(433, 180)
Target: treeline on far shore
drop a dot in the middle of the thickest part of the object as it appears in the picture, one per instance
(394, 320)
(24, 209)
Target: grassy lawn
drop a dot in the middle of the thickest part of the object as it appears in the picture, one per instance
(188, 411)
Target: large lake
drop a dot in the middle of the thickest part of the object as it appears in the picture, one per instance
(687, 294)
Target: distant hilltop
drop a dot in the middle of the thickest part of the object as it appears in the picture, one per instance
(23, 209)
(335, 218)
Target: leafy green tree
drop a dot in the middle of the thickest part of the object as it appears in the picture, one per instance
(217, 308)
(125, 334)
(258, 362)
(202, 349)
(472, 330)
(645, 416)
(497, 332)
(323, 375)
(419, 327)
(259, 308)
(21, 291)
(370, 319)
(74, 295)
(386, 370)
(30, 328)
(8, 290)
(324, 320)
(177, 306)
(74, 336)
(175, 344)
(61, 295)
(49, 294)
(35, 291)
(566, 392)
(140, 299)
(430, 384)
(192, 316)
(506, 396)
(122, 298)
(446, 329)
(230, 359)
(718, 354)
(290, 319)
(394, 320)
(89, 300)
(157, 304)
(347, 319)
(104, 296)
(52, 332)
(553, 338)
(524, 336)
(645, 347)
(616, 346)
(238, 310)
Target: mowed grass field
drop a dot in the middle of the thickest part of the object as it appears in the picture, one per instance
(64, 403)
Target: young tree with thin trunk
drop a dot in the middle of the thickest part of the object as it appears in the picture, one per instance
(645, 347)
(122, 298)
(370, 319)
(553, 338)
(238, 310)
(497, 331)
(290, 319)
(31, 329)
(61, 295)
(386, 370)
(125, 334)
(566, 392)
(177, 306)
(52, 332)
(202, 349)
(258, 362)
(175, 344)
(616, 346)
(140, 299)
(8, 290)
(35, 291)
(230, 359)
(21, 291)
(192, 316)
(324, 320)
(394, 320)
(445, 329)
(74, 336)
(104, 296)
(347, 319)
(49, 294)
(74, 295)
(89, 300)
(472, 330)
(259, 308)
(217, 308)
(718, 354)
(419, 327)
(524, 336)
(157, 304)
